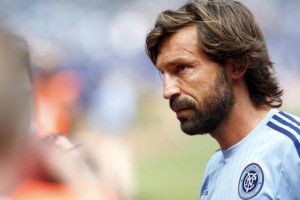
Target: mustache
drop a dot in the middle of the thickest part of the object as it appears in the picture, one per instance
(184, 103)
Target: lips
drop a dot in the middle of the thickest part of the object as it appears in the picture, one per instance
(178, 108)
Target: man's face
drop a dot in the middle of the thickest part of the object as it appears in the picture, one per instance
(198, 88)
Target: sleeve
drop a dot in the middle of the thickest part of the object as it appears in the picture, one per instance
(204, 187)
(206, 182)
(289, 182)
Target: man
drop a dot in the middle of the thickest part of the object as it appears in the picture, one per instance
(219, 79)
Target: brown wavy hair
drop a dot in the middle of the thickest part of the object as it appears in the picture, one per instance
(226, 29)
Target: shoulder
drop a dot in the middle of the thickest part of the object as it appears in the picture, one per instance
(211, 166)
(215, 160)
(286, 127)
(289, 178)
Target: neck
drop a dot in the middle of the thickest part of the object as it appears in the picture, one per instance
(244, 117)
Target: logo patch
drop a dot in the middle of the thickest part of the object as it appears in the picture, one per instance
(251, 181)
(204, 189)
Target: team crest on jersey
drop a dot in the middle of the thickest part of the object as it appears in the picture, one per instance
(251, 181)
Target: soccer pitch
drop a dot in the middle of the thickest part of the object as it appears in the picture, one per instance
(176, 174)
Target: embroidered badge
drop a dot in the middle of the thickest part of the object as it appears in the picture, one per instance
(251, 181)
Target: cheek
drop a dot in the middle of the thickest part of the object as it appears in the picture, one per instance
(197, 88)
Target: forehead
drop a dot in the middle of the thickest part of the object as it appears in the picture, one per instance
(182, 44)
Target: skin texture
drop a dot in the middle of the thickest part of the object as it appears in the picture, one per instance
(189, 74)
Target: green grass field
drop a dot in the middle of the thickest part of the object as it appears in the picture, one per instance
(175, 174)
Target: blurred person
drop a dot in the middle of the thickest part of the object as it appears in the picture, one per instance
(32, 167)
(55, 99)
(57, 110)
(219, 79)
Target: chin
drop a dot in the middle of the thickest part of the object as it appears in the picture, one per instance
(194, 133)
(189, 128)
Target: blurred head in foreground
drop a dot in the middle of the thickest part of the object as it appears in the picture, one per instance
(15, 90)
(212, 54)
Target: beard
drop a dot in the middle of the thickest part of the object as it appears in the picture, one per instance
(215, 108)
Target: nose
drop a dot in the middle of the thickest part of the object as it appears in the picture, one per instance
(170, 87)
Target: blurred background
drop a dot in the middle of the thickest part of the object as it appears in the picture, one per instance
(94, 83)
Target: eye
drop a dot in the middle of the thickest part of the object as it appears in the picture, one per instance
(180, 68)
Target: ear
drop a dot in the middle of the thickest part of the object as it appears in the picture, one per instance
(236, 69)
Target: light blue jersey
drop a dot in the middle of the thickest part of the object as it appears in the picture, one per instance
(264, 165)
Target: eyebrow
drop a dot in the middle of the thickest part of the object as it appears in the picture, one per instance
(175, 62)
